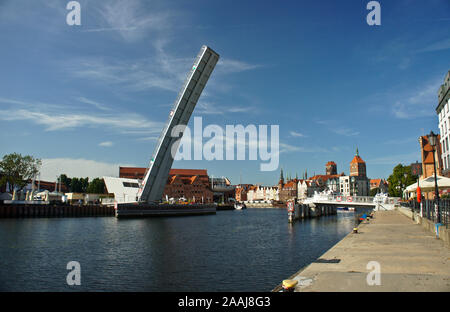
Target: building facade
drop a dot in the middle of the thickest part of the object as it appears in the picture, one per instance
(426, 151)
(442, 110)
(262, 193)
(379, 184)
(306, 188)
(331, 168)
(357, 183)
(288, 191)
(241, 192)
(190, 184)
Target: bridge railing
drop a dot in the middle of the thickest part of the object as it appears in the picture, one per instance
(363, 199)
(355, 199)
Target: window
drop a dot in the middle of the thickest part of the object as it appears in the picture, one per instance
(130, 184)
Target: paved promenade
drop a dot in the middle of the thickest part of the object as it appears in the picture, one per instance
(410, 258)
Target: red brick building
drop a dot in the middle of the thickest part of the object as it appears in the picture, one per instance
(426, 151)
(331, 168)
(357, 166)
(427, 157)
(288, 190)
(192, 184)
(241, 192)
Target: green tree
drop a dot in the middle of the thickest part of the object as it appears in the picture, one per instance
(17, 169)
(398, 182)
(84, 184)
(76, 185)
(374, 191)
(96, 186)
(66, 181)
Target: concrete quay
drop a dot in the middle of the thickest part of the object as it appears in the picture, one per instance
(411, 259)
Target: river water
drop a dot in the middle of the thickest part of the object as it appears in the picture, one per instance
(246, 250)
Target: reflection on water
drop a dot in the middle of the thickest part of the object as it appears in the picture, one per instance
(248, 250)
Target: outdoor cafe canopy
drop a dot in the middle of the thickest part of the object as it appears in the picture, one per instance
(428, 184)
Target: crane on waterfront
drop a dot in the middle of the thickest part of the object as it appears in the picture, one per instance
(152, 186)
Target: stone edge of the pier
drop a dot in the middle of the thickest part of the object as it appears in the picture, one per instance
(430, 270)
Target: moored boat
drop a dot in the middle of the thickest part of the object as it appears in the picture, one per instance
(239, 206)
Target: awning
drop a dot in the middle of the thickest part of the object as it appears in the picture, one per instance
(428, 184)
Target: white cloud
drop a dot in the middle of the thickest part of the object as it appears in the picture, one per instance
(209, 108)
(406, 159)
(418, 102)
(160, 71)
(106, 144)
(331, 125)
(53, 167)
(287, 148)
(130, 19)
(440, 45)
(234, 66)
(296, 134)
(55, 118)
(345, 131)
(93, 103)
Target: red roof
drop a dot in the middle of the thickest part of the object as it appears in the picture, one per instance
(189, 172)
(290, 184)
(324, 177)
(375, 182)
(138, 172)
(357, 159)
(132, 172)
(50, 186)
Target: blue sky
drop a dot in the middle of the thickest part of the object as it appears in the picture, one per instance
(89, 98)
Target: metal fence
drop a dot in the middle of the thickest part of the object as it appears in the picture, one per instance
(429, 210)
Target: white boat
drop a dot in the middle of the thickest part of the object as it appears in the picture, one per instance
(239, 206)
(380, 198)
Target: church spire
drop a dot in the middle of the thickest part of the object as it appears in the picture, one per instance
(357, 153)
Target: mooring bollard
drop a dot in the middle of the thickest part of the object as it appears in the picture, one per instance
(355, 230)
(289, 285)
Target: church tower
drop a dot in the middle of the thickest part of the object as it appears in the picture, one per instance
(331, 168)
(281, 182)
(357, 166)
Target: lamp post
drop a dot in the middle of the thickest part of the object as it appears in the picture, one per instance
(404, 186)
(432, 138)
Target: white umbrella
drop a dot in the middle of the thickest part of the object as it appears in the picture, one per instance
(428, 184)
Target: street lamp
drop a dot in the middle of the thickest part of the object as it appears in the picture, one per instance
(404, 186)
(432, 138)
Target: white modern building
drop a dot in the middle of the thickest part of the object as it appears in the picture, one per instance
(344, 185)
(444, 122)
(124, 190)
